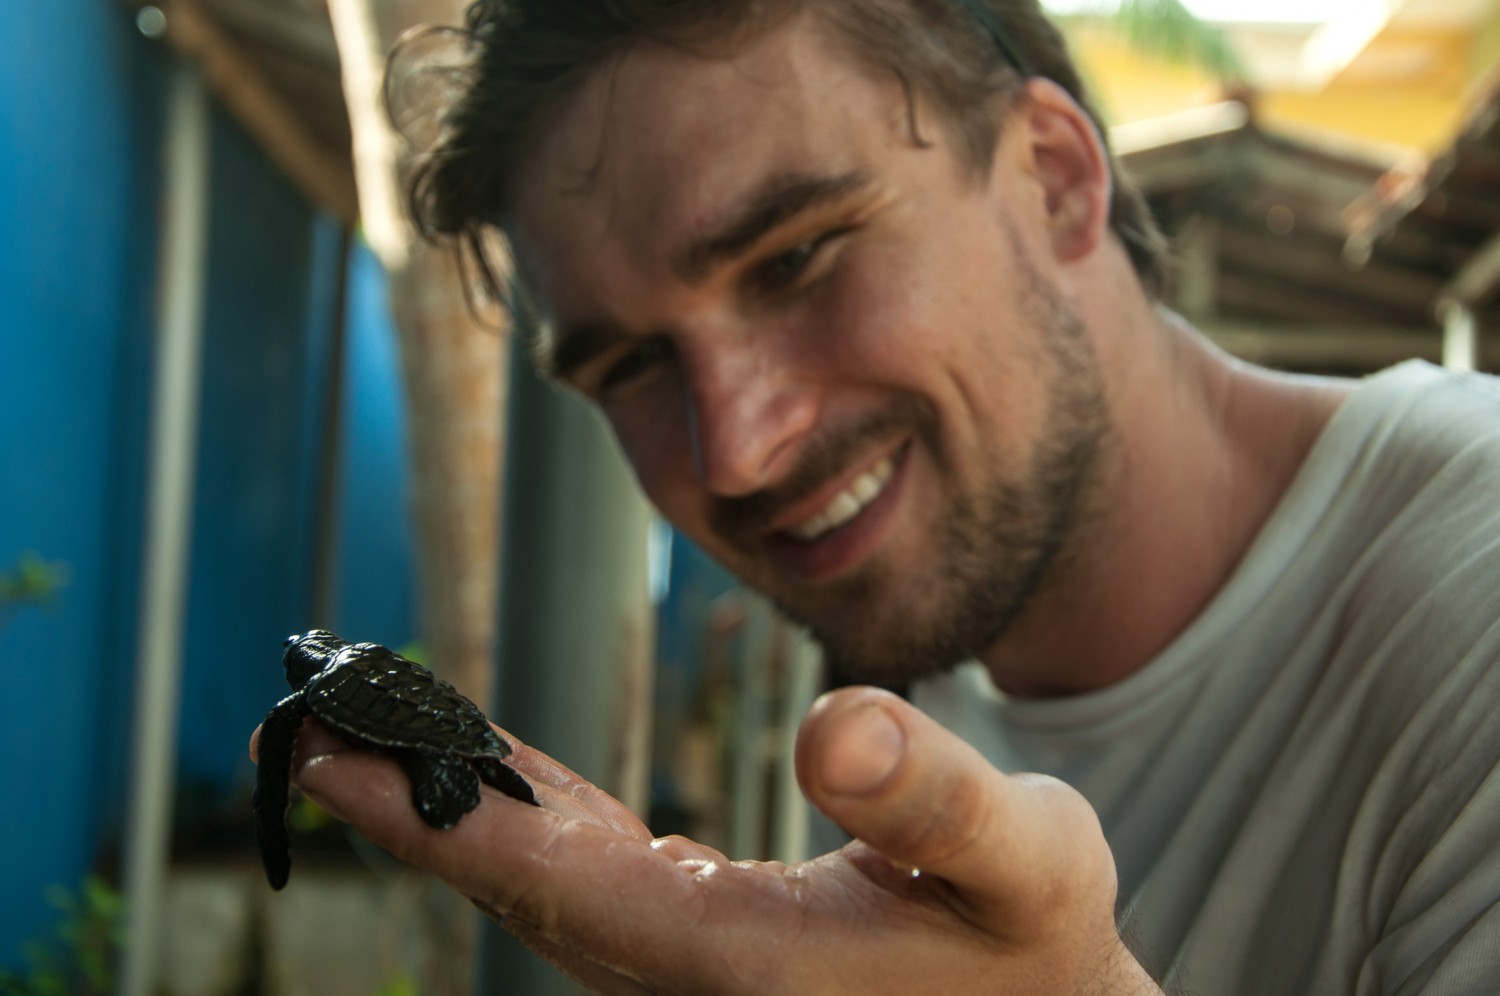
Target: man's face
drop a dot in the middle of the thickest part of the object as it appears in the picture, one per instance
(822, 345)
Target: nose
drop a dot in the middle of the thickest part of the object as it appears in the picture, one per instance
(750, 410)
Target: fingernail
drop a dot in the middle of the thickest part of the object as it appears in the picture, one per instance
(862, 751)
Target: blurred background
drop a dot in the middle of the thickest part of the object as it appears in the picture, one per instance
(238, 400)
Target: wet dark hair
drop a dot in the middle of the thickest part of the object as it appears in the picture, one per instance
(525, 58)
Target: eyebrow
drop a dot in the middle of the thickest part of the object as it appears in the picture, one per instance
(775, 203)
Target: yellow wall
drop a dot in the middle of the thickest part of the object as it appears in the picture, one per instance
(1380, 97)
(1128, 87)
(1487, 49)
(1395, 115)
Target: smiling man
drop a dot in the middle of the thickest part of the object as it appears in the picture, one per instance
(875, 322)
(796, 341)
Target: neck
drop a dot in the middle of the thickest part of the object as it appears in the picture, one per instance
(1204, 448)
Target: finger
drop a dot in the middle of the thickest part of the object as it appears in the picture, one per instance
(572, 794)
(557, 787)
(578, 885)
(636, 910)
(681, 849)
(1018, 850)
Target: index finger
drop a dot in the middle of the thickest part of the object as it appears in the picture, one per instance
(581, 886)
(558, 787)
(545, 770)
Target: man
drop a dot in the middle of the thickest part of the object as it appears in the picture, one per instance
(874, 323)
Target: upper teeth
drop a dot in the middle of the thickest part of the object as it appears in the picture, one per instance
(847, 503)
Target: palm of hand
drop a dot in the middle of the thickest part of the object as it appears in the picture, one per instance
(1015, 892)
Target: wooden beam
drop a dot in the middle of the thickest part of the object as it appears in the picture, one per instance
(1276, 299)
(302, 31)
(1310, 214)
(1310, 264)
(1310, 177)
(1452, 204)
(1194, 170)
(1324, 347)
(1337, 346)
(322, 178)
(1183, 127)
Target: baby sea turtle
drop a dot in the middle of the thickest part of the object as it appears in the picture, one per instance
(377, 698)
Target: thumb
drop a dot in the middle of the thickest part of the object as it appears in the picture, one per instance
(1021, 851)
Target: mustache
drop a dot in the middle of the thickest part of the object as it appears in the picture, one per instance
(824, 457)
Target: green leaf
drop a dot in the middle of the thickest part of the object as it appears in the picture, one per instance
(1165, 29)
(33, 580)
(78, 959)
(399, 985)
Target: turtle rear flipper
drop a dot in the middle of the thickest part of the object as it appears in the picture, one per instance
(278, 734)
(443, 786)
(498, 774)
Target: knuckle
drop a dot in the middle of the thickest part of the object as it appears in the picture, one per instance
(959, 818)
(526, 899)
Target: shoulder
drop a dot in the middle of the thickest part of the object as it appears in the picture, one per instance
(1411, 464)
(1410, 552)
(1417, 409)
(1416, 644)
(1418, 503)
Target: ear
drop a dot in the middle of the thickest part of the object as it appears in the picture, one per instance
(1062, 152)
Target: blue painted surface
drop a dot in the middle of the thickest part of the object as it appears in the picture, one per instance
(695, 584)
(375, 599)
(81, 108)
(265, 355)
(79, 92)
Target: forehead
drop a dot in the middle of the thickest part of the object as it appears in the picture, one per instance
(658, 147)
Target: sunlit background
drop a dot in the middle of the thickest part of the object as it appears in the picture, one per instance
(1398, 72)
(1247, 11)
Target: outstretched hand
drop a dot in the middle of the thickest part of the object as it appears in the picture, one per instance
(961, 879)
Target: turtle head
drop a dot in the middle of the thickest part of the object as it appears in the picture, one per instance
(308, 654)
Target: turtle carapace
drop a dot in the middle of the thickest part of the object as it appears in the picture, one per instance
(376, 698)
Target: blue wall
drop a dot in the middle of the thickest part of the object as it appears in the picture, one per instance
(79, 93)
(262, 467)
(375, 595)
(267, 336)
(80, 130)
(81, 99)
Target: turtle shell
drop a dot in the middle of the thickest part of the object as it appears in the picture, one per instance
(372, 693)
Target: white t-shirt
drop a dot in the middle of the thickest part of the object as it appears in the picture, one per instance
(1303, 791)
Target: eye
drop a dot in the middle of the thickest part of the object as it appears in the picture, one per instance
(787, 269)
(635, 363)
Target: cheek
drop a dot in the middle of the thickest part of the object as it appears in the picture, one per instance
(869, 323)
(938, 325)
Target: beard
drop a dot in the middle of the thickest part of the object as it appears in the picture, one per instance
(998, 544)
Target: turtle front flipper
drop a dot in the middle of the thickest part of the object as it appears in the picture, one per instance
(278, 734)
(498, 774)
(443, 786)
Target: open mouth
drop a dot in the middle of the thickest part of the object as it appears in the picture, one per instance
(849, 527)
(848, 503)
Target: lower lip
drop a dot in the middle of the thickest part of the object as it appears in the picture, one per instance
(844, 548)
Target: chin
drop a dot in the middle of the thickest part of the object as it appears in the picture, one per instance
(858, 649)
